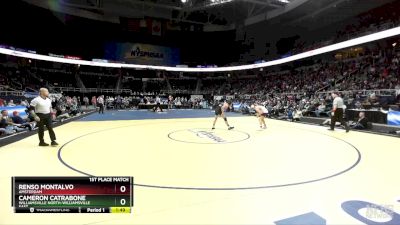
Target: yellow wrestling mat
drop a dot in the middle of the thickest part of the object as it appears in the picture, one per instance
(185, 173)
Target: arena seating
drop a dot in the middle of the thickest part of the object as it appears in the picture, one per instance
(367, 80)
(375, 20)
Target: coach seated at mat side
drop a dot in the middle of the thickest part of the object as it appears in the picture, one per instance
(12, 124)
(362, 122)
(24, 124)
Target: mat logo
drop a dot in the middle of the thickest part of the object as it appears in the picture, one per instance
(210, 135)
(206, 136)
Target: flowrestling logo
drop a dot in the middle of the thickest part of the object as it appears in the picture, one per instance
(208, 136)
(137, 52)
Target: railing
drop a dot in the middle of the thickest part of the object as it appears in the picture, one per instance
(129, 91)
(194, 92)
(88, 90)
(11, 93)
(337, 81)
(30, 89)
(366, 92)
(16, 84)
(7, 88)
(291, 93)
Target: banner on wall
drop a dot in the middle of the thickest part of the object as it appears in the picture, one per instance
(31, 94)
(145, 54)
(226, 97)
(218, 97)
(193, 97)
(35, 94)
(55, 95)
(229, 97)
(393, 118)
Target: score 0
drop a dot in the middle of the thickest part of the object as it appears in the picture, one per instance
(123, 189)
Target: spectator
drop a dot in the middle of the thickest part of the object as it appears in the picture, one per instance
(6, 123)
(94, 101)
(11, 103)
(297, 115)
(22, 124)
(86, 101)
(321, 108)
(24, 103)
(362, 122)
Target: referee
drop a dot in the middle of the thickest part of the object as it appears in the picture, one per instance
(40, 108)
(337, 112)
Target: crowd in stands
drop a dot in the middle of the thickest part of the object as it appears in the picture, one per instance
(54, 77)
(372, 70)
(377, 19)
(17, 78)
(373, 20)
(143, 99)
(379, 71)
(105, 82)
(183, 84)
(375, 70)
(306, 91)
(287, 94)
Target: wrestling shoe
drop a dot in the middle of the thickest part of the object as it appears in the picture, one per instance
(54, 143)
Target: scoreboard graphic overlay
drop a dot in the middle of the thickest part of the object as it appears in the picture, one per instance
(72, 194)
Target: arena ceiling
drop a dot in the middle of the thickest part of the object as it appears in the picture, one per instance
(217, 14)
(214, 15)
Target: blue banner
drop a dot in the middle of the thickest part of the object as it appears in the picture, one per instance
(142, 54)
(31, 94)
(393, 118)
(11, 109)
(236, 106)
